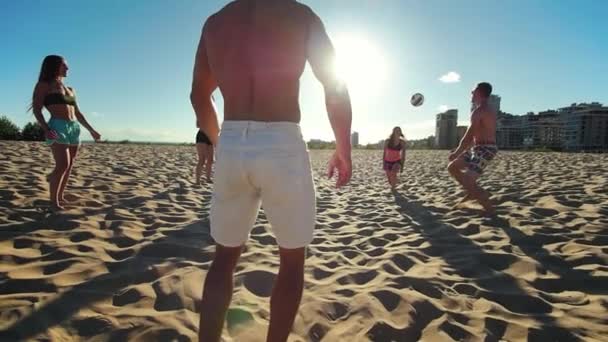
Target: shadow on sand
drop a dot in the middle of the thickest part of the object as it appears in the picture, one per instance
(482, 269)
(174, 248)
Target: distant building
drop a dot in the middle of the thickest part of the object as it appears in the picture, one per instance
(579, 127)
(585, 127)
(494, 102)
(509, 131)
(354, 139)
(542, 130)
(460, 131)
(445, 129)
(430, 140)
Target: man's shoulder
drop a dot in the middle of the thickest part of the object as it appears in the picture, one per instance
(483, 110)
(227, 10)
(297, 7)
(239, 12)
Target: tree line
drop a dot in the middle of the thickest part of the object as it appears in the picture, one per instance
(10, 131)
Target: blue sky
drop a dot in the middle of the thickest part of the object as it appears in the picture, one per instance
(131, 60)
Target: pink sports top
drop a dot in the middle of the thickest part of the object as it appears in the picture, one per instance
(392, 155)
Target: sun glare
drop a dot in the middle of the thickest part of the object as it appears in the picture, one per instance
(359, 62)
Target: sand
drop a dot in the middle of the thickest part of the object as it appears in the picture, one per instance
(127, 259)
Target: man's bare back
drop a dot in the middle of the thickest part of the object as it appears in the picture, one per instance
(257, 51)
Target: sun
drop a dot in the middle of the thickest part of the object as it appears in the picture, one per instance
(359, 63)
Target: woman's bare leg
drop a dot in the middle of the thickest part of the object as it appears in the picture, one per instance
(62, 161)
(73, 151)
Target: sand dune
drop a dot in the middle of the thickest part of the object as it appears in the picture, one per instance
(127, 259)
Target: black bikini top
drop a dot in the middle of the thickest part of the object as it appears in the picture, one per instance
(59, 98)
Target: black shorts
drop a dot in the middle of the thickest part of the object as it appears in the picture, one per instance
(201, 138)
(389, 165)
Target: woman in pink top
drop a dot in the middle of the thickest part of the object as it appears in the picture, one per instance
(394, 155)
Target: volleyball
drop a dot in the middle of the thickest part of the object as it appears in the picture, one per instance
(417, 100)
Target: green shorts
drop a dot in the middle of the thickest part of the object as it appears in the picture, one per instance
(68, 132)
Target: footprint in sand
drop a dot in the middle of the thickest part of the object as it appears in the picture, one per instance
(259, 282)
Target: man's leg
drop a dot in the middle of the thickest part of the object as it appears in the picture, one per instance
(288, 194)
(217, 293)
(286, 294)
(483, 196)
(476, 192)
(468, 180)
(455, 169)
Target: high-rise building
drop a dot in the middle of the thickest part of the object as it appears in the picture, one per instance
(493, 102)
(354, 139)
(445, 129)
(460, 131)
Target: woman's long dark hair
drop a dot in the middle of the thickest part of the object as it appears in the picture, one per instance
(390, 137)
(50, 68)
(48, 71)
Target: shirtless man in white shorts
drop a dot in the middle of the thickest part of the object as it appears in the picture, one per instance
(255, 52)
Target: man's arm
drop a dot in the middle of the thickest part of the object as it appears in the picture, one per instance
(468, 138)
(321, 56)
(203, 85)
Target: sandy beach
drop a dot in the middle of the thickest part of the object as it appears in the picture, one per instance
(127, 259)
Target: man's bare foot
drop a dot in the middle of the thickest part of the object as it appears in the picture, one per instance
(64, 202)
(466, 198)
(489, 212)
(486, 203)
(57, 206)
(69, 198)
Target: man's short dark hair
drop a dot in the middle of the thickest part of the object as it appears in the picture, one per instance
(485, 88)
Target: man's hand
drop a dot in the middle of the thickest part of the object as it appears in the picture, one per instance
(207, 160)
(340, 162)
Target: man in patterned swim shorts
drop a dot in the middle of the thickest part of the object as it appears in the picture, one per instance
(476, 149)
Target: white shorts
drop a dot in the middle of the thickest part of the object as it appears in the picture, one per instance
(262, 162)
